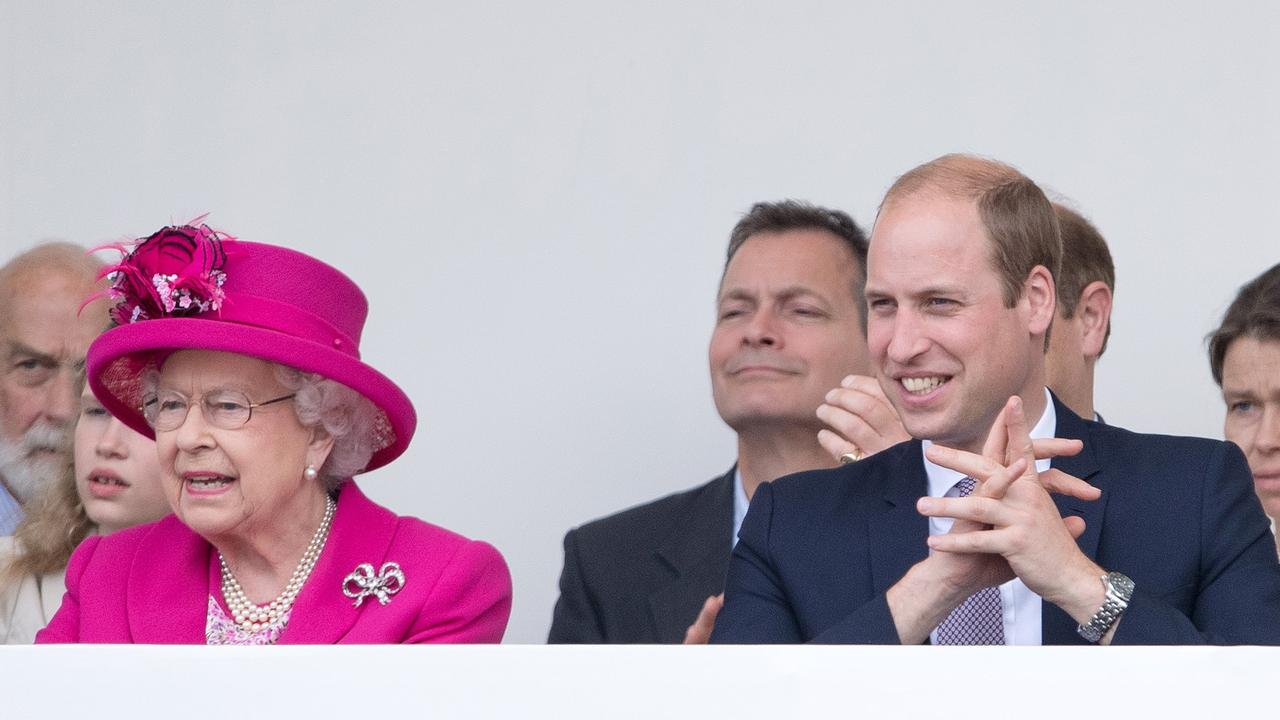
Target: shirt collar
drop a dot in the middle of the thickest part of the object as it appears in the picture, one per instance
(941, 479)
(739, 504)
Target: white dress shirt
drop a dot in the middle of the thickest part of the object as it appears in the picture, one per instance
(740, 504)
(1021, 606)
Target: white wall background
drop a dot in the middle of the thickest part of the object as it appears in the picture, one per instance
(536, 196)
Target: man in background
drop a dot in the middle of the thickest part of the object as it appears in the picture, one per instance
(1086, 287)
(43, 339)
(789, 326)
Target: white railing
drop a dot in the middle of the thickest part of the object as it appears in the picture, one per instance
(515, 681)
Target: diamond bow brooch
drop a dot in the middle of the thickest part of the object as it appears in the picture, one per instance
(363, 582)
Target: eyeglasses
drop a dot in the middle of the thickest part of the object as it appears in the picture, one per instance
(227, 409)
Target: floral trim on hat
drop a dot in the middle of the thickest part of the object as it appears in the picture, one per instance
(174, 272)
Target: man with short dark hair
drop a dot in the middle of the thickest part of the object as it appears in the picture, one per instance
(965, 535)
(1086, 287)
(43, 339)
(1244, 357)
(789, 326)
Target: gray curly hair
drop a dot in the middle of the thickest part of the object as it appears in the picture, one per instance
(345, 415)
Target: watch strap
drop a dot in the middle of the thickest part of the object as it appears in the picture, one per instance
(1119, 591)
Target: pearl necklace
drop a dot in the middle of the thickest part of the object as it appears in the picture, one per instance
(252, 617)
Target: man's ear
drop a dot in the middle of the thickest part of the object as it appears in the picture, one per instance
(1094, 311)
(1042, 303)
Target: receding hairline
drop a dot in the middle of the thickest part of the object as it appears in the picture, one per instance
(1016, 216)
(926, 193)
(62, 259)
(957, 176)
(931, 193)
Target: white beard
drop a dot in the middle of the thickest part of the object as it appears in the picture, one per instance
(26, 468)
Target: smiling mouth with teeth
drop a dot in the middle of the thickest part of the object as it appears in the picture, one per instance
(105, 480)
(208, 483)
(924, 385)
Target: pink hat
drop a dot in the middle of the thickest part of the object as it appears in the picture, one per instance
(191, 287)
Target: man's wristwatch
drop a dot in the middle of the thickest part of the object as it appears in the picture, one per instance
(1119, 591)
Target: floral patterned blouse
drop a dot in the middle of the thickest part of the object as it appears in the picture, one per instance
(222, 630)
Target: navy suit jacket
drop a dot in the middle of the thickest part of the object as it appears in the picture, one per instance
(642, 575)
(818, 550)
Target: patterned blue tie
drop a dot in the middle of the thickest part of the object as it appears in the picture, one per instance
(978, 620)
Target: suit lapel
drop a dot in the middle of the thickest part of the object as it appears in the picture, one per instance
(362, 532)
(1084, 466)
(169, 586)
(897, 532)
(1057, 628)
(697, 554)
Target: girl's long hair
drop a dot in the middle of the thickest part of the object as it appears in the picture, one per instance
(54, 525)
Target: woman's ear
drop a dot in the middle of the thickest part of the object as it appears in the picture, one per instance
(319, 447)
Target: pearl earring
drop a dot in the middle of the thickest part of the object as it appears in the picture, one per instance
(311, 473)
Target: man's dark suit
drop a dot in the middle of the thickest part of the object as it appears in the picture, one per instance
(642, 575)
(818, 550)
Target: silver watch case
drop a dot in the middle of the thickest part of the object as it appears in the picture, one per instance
(1119, 590)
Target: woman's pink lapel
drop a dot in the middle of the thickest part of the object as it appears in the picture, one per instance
(169, 585)
(174, 574)
(362, 532)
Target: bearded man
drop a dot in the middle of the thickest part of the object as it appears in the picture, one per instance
(43, 338)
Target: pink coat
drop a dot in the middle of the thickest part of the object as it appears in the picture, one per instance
(151, 584)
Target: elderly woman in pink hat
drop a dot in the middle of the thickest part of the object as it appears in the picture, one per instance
(242, 361)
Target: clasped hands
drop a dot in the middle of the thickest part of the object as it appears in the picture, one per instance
(1009, 526)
